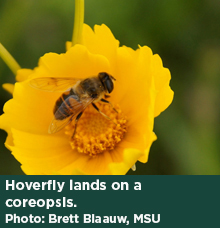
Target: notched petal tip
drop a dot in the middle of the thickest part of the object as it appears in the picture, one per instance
(23, 74)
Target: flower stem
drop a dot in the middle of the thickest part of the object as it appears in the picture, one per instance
(9, 60)
(78, 22)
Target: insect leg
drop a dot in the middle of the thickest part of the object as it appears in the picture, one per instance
(105, 101)
(76, 120)
(107, 96)
(102, 113)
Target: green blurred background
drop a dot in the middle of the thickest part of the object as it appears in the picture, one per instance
(185, 33)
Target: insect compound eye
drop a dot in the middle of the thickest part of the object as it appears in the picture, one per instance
(106, 81)
(109, 85)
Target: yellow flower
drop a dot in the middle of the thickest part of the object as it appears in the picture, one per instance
(140, 94)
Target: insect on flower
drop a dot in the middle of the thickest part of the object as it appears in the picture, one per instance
(103, 141)
(76, 99)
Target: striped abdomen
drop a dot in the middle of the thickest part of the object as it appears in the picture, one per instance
(67, 105)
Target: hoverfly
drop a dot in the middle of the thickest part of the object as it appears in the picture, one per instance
(72, 103)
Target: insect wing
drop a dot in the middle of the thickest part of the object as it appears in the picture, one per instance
(57, 125)
(68, 110)
(53, 84)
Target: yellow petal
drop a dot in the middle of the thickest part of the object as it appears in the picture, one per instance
(101, 41)
(28, 113)
(130, 155)
(114, 162)
(23, 74)
(76, 63)
(117, 161)
(134, 90)
(134, 79)
(4, 125)
(162, 79)
(46, 153)
(144, 158)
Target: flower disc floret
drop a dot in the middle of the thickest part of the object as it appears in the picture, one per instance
(95, 133)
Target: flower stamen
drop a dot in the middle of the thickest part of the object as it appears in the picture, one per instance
(96, 134)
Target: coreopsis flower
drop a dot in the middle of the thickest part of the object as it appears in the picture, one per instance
(99, 146)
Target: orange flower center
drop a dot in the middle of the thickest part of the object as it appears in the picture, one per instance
(95, 133)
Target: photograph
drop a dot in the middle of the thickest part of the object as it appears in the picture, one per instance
(92, 87)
